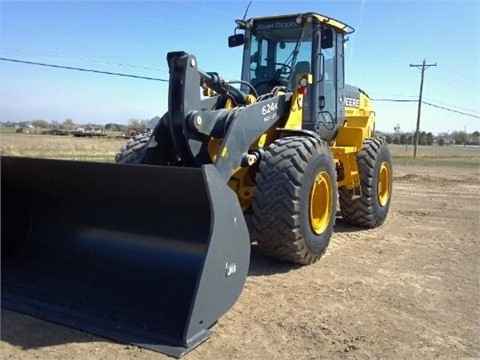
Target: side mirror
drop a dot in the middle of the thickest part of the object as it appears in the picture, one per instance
(236, 40)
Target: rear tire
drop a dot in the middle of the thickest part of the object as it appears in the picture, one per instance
(150, 149)
(133, 151)
(375, 166)
(295, 200)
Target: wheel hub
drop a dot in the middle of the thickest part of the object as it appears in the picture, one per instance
(320, 203)
(384, 184)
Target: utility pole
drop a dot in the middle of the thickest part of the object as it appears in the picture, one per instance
(423, 66)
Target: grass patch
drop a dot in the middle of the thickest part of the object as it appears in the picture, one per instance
(101, 149)
(457, 156)
(433, 161)
(104, 149)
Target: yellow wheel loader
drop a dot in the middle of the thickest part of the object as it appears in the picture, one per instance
(154, 249)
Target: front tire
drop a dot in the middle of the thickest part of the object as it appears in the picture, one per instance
(295, 200)
(375, 166)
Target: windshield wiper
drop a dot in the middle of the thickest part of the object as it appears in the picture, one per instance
(296, 51)
(293, 55)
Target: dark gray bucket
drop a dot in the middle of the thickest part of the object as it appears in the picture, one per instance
(146, 255)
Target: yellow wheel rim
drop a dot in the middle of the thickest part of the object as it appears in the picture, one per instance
(384, 184)
(321, 203)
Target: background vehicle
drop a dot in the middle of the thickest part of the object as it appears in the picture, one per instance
(279, 149)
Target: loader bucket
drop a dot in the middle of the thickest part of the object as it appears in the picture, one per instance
(146, 255)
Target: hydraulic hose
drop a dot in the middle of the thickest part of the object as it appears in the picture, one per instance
(221, 86)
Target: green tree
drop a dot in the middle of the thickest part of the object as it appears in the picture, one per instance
(410, 138)
(430, 138)
(441, 141)
(115, 127)
(69, 124)
(111, 127)
(137, 124)
(460, 137)
(39, 123)
(463, 137)
(476, 138)
(423, 138)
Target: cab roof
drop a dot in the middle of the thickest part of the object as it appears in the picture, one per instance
(338, 25)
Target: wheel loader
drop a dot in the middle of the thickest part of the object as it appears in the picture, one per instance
(154, 248)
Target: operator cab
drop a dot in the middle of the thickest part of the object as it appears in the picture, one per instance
(277, 49)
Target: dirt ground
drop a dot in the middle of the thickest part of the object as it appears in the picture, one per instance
(407, 290)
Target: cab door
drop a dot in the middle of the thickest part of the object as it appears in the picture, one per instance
(330, 109)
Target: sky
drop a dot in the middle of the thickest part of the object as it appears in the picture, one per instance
(100, 35)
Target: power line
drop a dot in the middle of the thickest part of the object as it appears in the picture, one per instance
(165, 80)
(121, 12)
(145, 18)
(465, 88)
(467, 77)
(82, 59)
(451, 110)
(450, 105)
(431, 104)
(394, 100)
(393, 95)
(82, 69)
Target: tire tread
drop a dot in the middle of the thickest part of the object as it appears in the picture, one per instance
(361, 211)
(276, 208)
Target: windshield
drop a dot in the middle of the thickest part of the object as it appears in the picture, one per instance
(279, 49)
